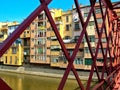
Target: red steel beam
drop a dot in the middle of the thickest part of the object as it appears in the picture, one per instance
(75, 50)
(110, 29)
(105, 80)
(4, 86)
(112, 22)
(62, 45)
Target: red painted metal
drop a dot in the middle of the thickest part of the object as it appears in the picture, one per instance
(4, 86)
(111, 64)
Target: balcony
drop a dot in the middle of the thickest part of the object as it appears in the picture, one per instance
(55, 43)
(52, 64)
(72, 45)
(41, 28)
(53, 53)
(66, 40)
(58, 22)
(87, 55)
(92, 44)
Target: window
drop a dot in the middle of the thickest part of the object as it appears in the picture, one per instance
(67, 27)
(27, 32)
(5, 59)
(32, 48)
(88, 61)
(10, 59)
(104, 49)
(76, 38)
(77, 27)
(40, 50)
(79, 61)
(40, 34)
(104, 40)
(85, 14)
(55, 59)
(32, 39)
(26, 51)
(14, 50)
(40, 24)
(91, 23)
(99, 20)
(15, 59)
(26, 42)
(70, 52)
(99, 50)
(97, 11)
(32, 31)
(93, 50)
(41, 41)
(92, 39)
(86, 50)
(81, 49)
(67, 18)
(40, 16)
(96, 40)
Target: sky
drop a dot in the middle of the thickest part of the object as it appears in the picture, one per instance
(18, 10)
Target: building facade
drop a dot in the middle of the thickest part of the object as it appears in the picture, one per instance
(40, 44)
(14, 54)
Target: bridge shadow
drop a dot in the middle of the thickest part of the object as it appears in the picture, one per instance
(91, 86)
(78, 88)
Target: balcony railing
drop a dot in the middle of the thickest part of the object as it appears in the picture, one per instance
(41, 28)
(58, 22)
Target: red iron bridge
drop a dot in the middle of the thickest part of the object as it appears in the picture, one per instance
(109, 77)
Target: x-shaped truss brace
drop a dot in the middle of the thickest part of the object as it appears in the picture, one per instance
(44, 7)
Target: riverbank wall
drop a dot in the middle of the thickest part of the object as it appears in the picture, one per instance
(45, 71)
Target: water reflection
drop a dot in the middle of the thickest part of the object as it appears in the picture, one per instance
(30, 82)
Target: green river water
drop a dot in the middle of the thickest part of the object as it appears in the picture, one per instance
(33, 82)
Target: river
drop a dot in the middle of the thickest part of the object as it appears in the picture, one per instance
(34, 82)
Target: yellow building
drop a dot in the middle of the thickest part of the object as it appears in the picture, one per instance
(25, 37)
(54, 44)
(14, 55)
(67, 25)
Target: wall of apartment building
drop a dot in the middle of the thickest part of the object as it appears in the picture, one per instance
(69, 27)
(13, 56)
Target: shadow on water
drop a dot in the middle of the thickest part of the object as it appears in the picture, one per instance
(93, 83)
(78, 88)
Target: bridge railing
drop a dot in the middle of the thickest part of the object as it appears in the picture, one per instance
(110, 25)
